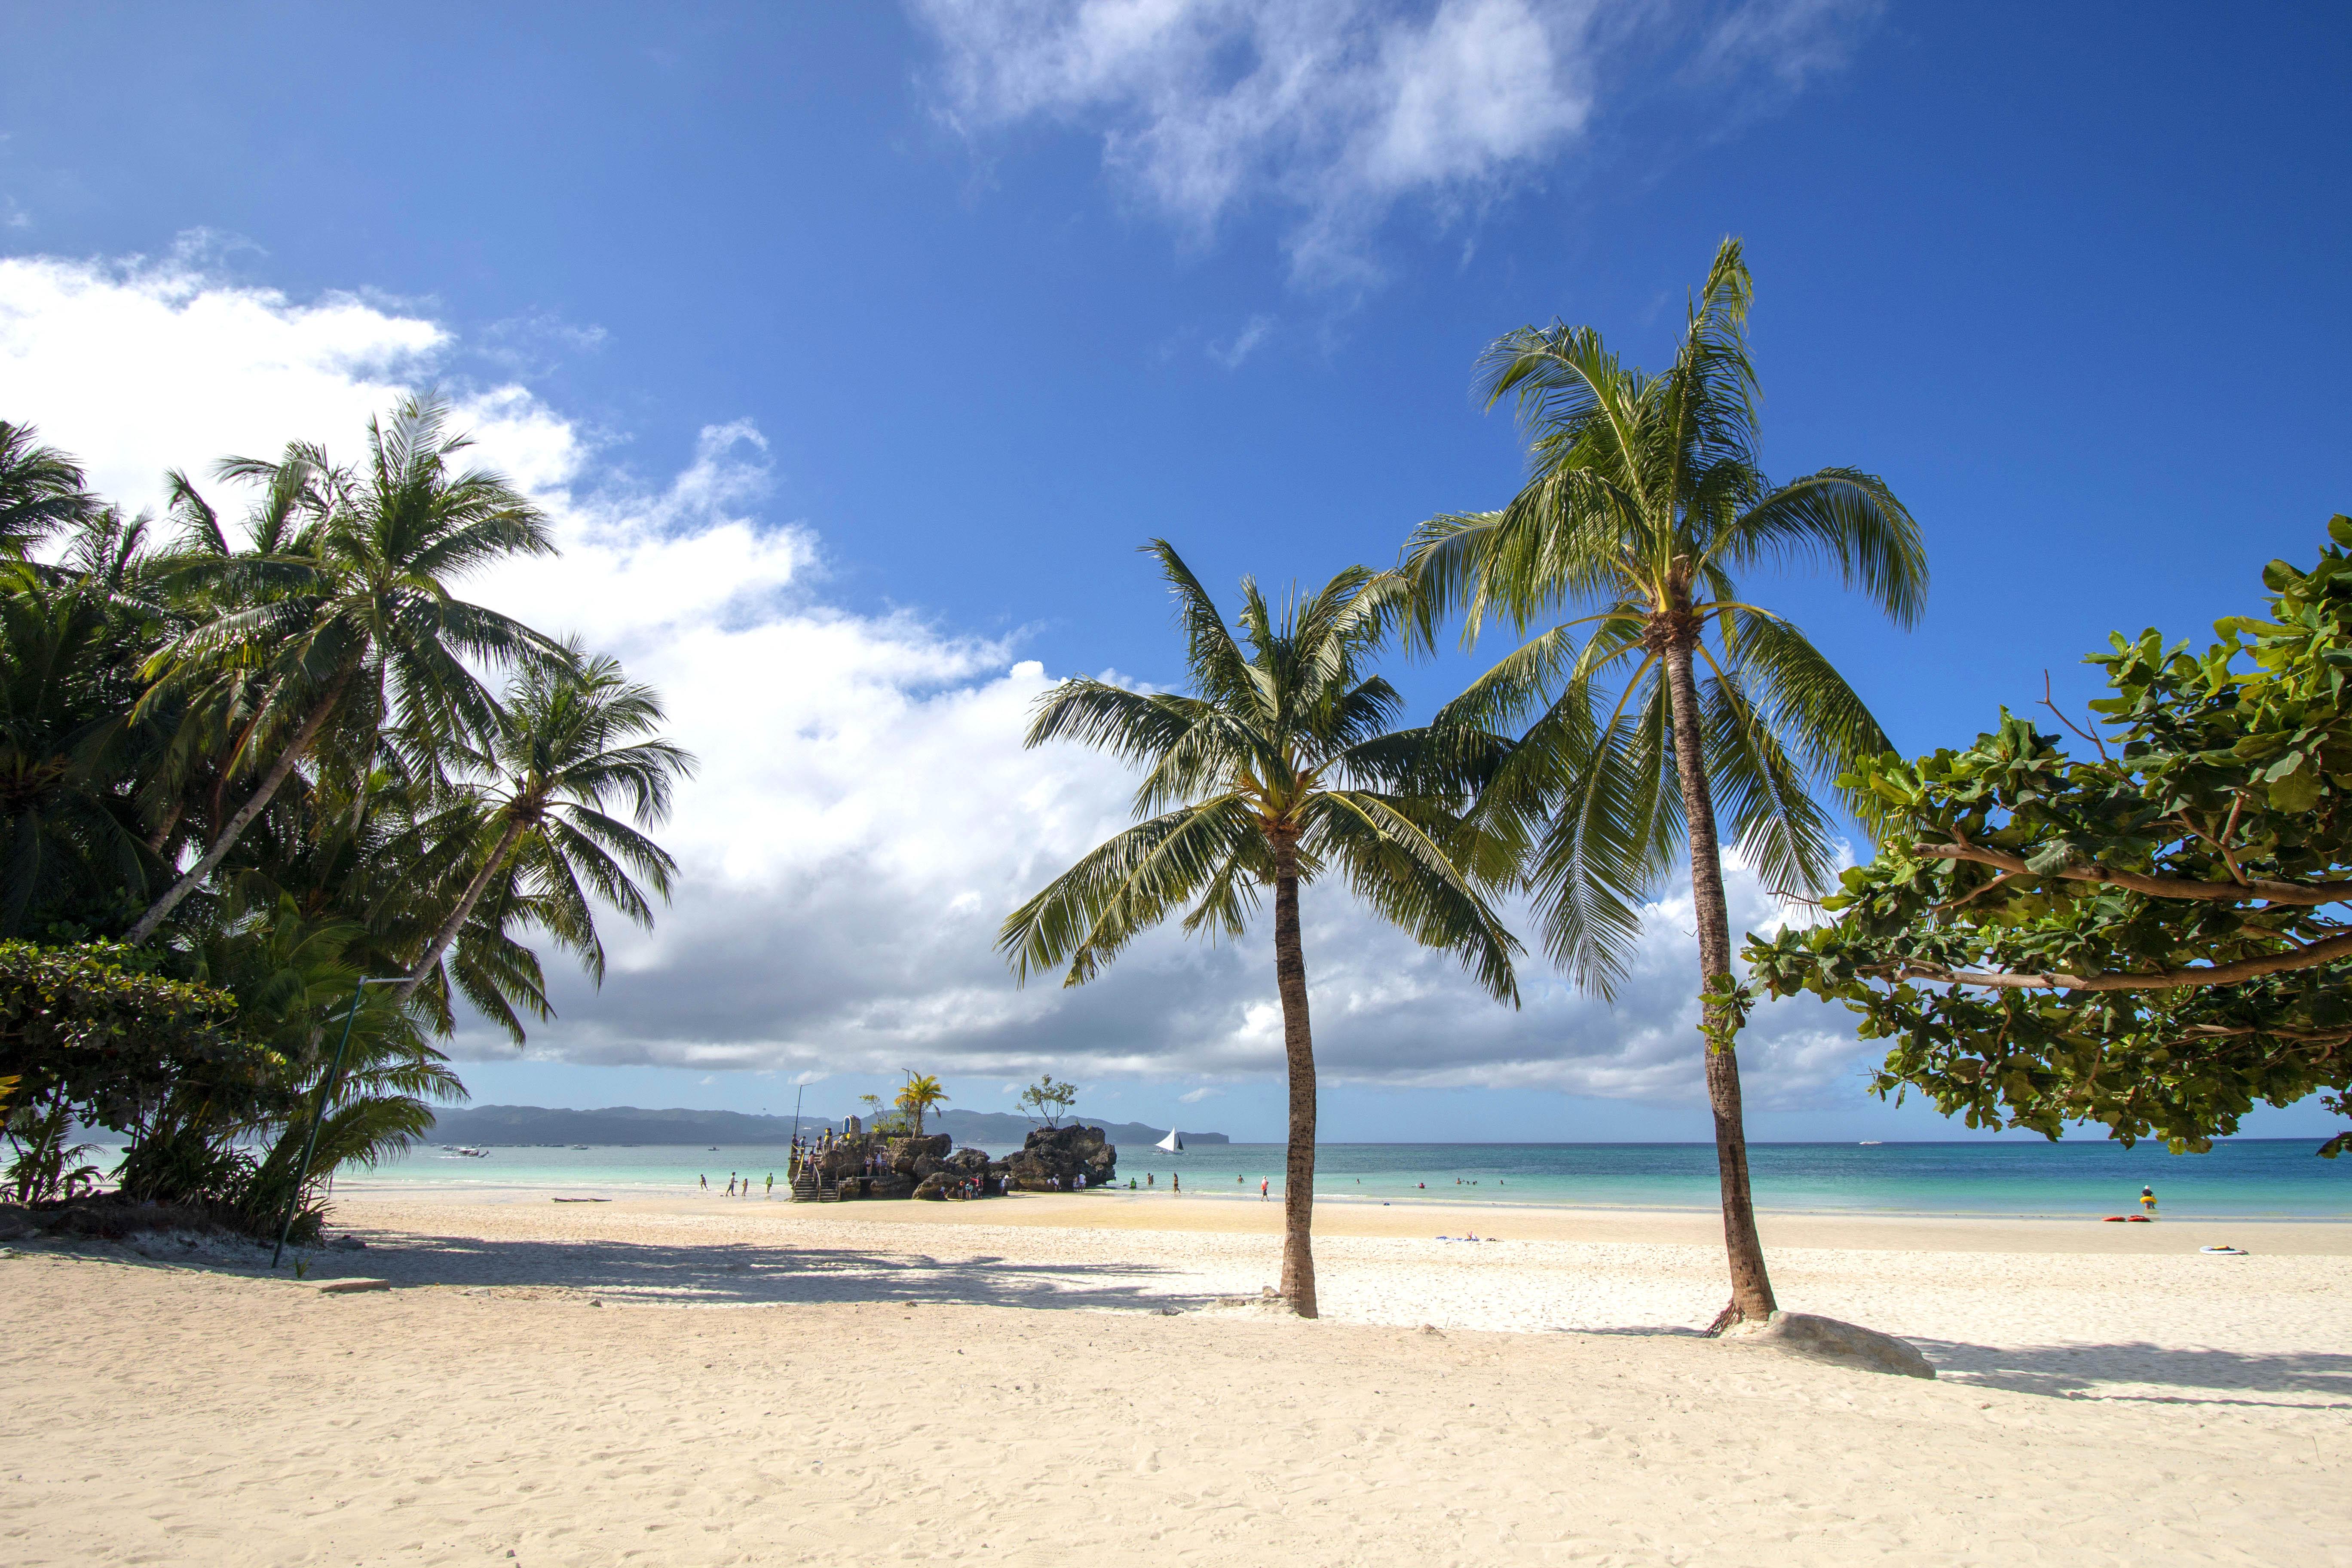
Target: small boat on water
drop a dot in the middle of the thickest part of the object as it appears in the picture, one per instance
(1171, 1144)
(461, 1152)
(1873, 1143)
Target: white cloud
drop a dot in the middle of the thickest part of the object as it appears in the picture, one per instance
(866, 814)
(1195, 1097)
(1334, 111)
(121, 363)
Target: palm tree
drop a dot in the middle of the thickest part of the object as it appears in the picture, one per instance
(921, 1092)
(1645, 499)
(40, 489)
(1278, 765)
(574, 735)
(352, 620)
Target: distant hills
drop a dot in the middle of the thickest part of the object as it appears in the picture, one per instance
(528, 1124)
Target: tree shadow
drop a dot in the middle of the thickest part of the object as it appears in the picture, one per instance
(742, 1274)
(2323, 1378)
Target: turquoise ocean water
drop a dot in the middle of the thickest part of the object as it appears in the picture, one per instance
(2253, 1179)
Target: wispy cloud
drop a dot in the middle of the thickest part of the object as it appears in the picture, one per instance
(1334, 111)
(1197, 1095)
(1790, 40)
(1242, 344)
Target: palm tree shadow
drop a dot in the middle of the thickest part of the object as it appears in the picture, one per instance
(747, 1274)
(2322, 1379)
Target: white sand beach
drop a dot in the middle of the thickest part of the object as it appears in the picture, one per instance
(700, 1381)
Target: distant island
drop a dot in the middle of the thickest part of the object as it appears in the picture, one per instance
(482, 1125)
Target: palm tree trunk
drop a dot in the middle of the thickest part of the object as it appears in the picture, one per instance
(163, 834)
(227, 840)
(1751, 1287)
(1299, 1050)
(457, 917)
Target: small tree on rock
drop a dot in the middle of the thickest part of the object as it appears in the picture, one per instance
(1047, 1100)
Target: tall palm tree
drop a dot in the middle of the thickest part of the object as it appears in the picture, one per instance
(352, 621)
(574, 735)
(918, 1095)
(1278, 765)
(1645, 499)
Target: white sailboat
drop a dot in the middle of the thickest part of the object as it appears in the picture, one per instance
(1171, 1144)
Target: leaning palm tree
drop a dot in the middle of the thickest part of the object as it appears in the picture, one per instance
(352, 623)
(574, 736)
(1278, 765)
(1647, 499)
(918, 1095)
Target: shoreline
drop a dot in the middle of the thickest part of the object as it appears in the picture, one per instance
(1339, 1200)
(1164, 1223)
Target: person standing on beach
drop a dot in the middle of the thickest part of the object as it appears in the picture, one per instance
(1262, 1185)
(705, 1182)
(770, 1193)
(1176, 1183)
(2147, 1198)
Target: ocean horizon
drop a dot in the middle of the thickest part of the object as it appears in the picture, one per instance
(2275, 1178)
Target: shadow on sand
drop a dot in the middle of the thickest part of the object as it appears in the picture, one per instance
(737, 1275)
(2323, 1380)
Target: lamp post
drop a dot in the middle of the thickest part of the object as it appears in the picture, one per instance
(326, 1092)
(792, 1165)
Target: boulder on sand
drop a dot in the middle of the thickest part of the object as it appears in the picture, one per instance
(1826, 1339)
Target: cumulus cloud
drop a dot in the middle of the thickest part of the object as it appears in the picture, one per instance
(1334, 111)
(864, 814)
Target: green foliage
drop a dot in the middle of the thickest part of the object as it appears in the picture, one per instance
(1724, 1005)
(93, 1024)
(47, 1165)
(2148, 937)
(1047, 1100)
(293, 709)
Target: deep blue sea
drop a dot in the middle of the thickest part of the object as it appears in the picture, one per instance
(2279, 1179)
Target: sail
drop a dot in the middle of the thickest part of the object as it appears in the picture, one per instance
(1173, 1143)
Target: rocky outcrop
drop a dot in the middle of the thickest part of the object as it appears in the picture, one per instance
(953, 1176)
(1054, 1157)
(1826, 1339)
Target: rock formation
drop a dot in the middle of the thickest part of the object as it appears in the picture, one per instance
(1053, 1157)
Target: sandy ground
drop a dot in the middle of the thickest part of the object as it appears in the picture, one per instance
(1068, 1376)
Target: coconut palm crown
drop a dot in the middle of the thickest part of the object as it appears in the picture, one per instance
(918, 1096)
(574, 740)
(349, 621)
(1277, 766)
(1662, 706)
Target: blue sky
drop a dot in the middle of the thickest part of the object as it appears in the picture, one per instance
(930, 315)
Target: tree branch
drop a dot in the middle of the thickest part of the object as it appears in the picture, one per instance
(2310, 957)
(2309, 893)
